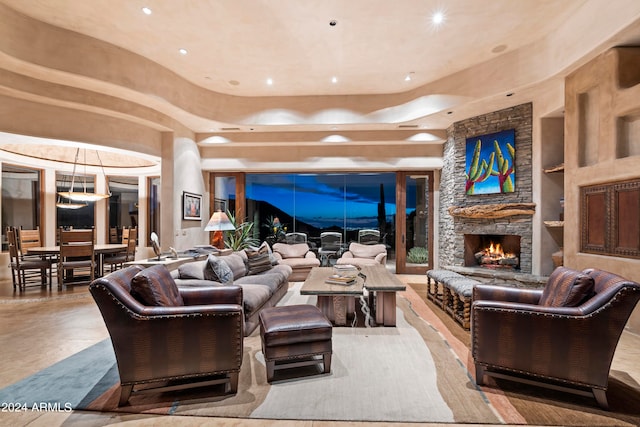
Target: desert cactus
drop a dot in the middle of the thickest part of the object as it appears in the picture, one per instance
(504, 170)
(478, 171)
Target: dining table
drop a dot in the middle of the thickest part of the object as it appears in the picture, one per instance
(99, 249)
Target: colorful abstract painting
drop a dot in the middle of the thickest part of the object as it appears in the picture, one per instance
(490, 163)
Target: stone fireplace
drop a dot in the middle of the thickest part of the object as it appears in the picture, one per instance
(467, 221)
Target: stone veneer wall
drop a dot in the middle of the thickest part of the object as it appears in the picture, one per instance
(452, 186)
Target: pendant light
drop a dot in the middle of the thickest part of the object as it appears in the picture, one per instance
(83, 196)
(62, 205)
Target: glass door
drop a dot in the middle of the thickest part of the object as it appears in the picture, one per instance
(414, 222)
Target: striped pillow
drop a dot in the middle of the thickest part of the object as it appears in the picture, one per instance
(258, 259)
(154, 286)
(566, 288)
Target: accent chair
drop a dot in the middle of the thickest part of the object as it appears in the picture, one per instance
(361, 254)
(298, 256)
(561, 337)
(147, 316)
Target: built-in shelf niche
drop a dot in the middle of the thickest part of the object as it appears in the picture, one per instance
(552, 192)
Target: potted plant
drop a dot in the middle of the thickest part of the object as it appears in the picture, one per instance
(277, 230)
(242, 237)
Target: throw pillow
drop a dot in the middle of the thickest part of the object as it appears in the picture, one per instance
(272, 258)
(192, 270)
(296, 250)
(258, 260)
(218, 270)
(237, 263)
(366, 251)
(566, 288)
(154, 286)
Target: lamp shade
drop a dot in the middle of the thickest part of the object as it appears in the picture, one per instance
(83, 196)
(219, 221)
(78, 196)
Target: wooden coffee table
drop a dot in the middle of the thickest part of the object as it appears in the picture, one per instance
(383, 286)
(337, 302)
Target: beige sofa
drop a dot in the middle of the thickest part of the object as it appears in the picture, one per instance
(259, 290)
(361, 255)
(298, 256)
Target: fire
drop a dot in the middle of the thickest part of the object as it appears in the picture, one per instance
(495, 251)
(494, 256)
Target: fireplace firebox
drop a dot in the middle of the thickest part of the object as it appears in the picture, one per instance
(496, 251)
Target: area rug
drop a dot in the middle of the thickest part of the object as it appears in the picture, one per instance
(415, 372)
(399, 374)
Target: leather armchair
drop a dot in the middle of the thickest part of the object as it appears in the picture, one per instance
(567, 348)
(201, 340)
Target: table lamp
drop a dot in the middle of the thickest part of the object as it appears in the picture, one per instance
(219, 223)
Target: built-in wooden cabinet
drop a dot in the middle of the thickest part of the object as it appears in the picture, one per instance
(610, 222)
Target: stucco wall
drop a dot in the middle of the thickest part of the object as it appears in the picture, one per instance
(597, 151)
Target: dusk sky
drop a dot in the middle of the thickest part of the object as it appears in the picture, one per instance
(321, 199)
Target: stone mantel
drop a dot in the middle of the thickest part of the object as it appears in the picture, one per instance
(490, 211)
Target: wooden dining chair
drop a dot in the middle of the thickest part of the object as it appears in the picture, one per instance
(25, 271)
(125, 235)
(113, 235)
(116, 261)
(76, 256)
(28, 238)
(31, 238)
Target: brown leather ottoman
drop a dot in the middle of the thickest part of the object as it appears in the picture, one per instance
(294, 335)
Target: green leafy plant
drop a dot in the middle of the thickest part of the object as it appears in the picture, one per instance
(478, 171)
(418, 255)
(504, 168)
(242, 237)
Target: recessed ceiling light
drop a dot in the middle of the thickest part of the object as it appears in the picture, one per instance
(334, 79)
(147, 11)
(437, 18)
(183, 51)
(216, 139)
(409, 76)
(270, 81)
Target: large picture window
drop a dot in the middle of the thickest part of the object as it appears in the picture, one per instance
(123, 205)
(80, 215)
(20, 199)
(153, 194)
(314, 203)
